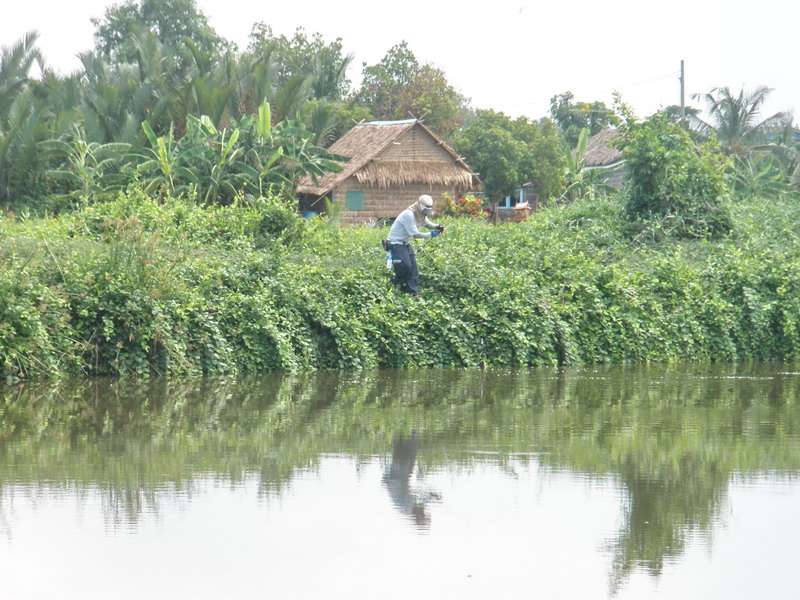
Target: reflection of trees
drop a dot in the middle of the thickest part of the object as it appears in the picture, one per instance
(672, 436)
(673, 441)
(667, 500)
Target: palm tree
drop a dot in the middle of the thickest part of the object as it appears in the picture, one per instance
(290, 98)
(16, 62)
(736, 120)
(24, 119)
(258, 81)
(330, 74)
(321, 119)
(25, 126)
(208, 87)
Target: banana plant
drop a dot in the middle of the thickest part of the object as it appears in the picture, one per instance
(278, 155)
(162, 165)
(580, 179)
(264, 122)
(87, 169)
(220, 163)
(217, 159)
(758, 176)
(289, 152)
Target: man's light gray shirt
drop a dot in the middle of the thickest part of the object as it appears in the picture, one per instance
(405, 227)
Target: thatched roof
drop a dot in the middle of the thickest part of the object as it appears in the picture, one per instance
(365, 143)
(599, 149)
(390, 173)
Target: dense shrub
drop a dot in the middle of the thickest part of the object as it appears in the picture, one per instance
(674, 185)
(141, 286)
(35, 336)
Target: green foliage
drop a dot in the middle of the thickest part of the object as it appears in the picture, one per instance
(674, 185)
(217, 165)
(277, 221)
(572, 117)
(16, 62)
(22, 166)
(509, 153)
(784, 148)
(22, 124)
(139, 281)
(170, 20)
(759, 176)
(583, 182)
(736, 121)
(321, 62)
(329, 121)
(143, 286)
(399, 87)
(88, 169)
(491, 150)
(543, 166)
(35, 334)
(763, 150)
(158, 69)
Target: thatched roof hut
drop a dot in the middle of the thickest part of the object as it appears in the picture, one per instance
(602, 154)
(600, 151)
(391, 164)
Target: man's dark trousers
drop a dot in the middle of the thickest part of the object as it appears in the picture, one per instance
(406, 271)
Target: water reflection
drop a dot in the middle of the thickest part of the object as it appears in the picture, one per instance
(408, 500)
(672, 437)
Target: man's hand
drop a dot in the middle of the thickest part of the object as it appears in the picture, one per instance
(440, 228)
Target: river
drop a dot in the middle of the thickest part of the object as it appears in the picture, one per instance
(666, 481)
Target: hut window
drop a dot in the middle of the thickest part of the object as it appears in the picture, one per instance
(355, 200)
(510, 201)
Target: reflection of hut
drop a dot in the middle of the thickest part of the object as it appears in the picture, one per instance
(391, 164)
(601, 154)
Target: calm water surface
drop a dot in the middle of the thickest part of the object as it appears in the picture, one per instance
(677, 481)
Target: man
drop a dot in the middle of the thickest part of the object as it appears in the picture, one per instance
(405, 227)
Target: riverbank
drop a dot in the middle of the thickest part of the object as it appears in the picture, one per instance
(140, 287)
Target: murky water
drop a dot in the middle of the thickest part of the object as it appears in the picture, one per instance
(675, 481)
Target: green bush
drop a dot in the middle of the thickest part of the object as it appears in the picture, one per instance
(35, 332)
(674, 186)
(138, 286)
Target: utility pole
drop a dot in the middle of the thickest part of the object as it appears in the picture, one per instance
(683, 100)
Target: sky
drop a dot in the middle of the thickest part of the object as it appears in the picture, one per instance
(508, 55)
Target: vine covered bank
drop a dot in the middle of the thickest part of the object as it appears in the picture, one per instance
(136, 286)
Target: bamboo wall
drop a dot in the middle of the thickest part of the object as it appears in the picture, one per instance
(384, 203)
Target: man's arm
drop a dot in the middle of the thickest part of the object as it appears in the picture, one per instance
(411, 227)
(431, 225)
